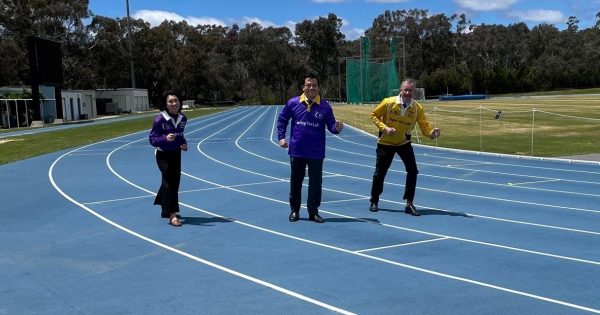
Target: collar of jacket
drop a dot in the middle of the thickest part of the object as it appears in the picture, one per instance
(308, 104)
(400, 102)
(169, 118)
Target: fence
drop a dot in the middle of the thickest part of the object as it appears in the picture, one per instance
(15, 113)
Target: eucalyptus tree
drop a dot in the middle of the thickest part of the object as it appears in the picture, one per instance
(319, 41)
(265, 56)
(590, 39)
(486, 52)
(544, 48)
(108, 51)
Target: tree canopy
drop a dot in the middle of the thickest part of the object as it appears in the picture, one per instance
(256, 64)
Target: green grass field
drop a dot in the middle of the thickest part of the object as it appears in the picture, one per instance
(548, 126)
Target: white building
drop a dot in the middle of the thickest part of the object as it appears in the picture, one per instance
(88, 101)
(122, 100)
(72, 105)
(76, 105)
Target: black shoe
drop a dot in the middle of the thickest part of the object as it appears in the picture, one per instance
(316, 218)
(294, 216)
(373, 207)
(410, 209)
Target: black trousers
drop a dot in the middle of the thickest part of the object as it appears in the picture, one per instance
(385, 155)
(315, 182)
(169, 164)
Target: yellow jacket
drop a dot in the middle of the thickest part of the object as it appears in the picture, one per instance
(390, 113)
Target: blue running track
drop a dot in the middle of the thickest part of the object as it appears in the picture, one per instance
(498, 235)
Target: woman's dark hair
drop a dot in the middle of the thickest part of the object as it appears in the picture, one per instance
(166, 94)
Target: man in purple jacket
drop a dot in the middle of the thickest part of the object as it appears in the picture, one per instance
(310, 115)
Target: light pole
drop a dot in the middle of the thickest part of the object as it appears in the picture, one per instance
(132, 70)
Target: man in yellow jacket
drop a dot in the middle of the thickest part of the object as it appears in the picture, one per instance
(395, 117)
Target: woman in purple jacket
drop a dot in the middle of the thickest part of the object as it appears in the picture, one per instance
(167, 136)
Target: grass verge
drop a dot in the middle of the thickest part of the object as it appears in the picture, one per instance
(27, 146)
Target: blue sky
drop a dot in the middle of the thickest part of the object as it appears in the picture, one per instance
(357, 15)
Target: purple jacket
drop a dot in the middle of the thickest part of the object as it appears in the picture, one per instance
(307, 132)
(162, 126)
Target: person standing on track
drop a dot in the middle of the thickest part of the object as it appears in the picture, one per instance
(167, 136)
(310, 115)
(400, 114)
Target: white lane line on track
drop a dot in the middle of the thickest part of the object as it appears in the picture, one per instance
(175, 250)
(469, 164)
(99, 202)
(549, 170)
(536, 182)
(476, 182)
(345, 200)
(442, 156)
(470, 180)
(468, 195)
(186, 191)
(401, 245)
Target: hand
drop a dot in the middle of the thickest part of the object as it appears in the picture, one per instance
(339, 125)
(435, 133)
(171, 137)
(283, 143)
(389, 131)
(183, 147)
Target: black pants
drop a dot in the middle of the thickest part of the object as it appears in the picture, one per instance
(315, 181)
(385, 155)
(169, 164)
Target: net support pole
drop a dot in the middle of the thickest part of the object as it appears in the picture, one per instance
(532, 127)
(480, 121)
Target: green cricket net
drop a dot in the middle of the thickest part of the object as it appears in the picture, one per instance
(368, 81)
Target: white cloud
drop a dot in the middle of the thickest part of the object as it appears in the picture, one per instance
(263, 23)
(350, 32)
(353, 33)
(291, 25)
(388, 1)
(546, 16)
(491, 5)
(155, 17)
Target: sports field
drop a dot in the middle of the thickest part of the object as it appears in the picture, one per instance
(547, 126)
